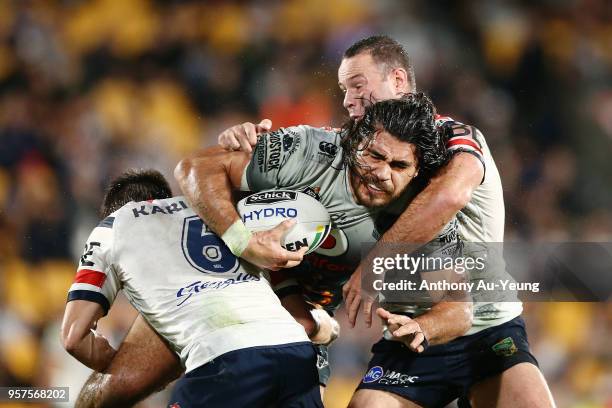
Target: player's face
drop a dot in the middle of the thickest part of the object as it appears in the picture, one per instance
(364, 81)
(386, 168)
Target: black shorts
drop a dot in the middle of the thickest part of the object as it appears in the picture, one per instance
(279, 376)
(445, 372)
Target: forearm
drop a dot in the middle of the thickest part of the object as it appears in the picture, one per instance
(89, 395)
(96, 393)
(143, 364)
(320, 327)
(446, 194)
(300, 310)
(94, 351)
(207, 184)
(446, 321)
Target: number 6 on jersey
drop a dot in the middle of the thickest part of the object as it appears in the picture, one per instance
(204, 250)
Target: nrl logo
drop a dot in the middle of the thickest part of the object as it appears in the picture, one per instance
(270, 197)
(505, 347)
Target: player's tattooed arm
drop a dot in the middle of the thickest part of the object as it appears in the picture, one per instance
(208, 180)
(79, 337)
(143, 365)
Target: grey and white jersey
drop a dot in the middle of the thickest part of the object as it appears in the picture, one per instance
(308, 158)
(304, 157)
(184, 281)
(482, 221)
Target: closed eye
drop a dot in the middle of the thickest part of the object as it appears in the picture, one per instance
(377, 156)
(400, 165)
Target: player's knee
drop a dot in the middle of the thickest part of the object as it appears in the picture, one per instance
(537, 394)
(508, 388)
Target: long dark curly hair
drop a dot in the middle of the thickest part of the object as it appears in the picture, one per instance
(410, 119)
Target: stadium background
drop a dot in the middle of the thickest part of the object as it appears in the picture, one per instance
(90, 88)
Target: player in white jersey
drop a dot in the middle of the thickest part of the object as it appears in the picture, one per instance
(217, 314)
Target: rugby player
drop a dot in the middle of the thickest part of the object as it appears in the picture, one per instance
(378, 68)
(215, 312)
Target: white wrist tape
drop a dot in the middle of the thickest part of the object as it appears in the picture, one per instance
(237, 237)
(328, 328)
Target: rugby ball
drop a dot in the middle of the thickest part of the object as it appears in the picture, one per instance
(265, 210)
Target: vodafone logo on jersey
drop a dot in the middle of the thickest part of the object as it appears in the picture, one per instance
(335, 244)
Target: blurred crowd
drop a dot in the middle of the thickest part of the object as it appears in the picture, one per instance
(91, 88)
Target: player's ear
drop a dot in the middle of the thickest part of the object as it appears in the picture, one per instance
(399, 76)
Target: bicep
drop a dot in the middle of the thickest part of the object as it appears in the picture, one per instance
(207, 162)
(237, 167)
(468, 167)
(456, 181)
(464, 167)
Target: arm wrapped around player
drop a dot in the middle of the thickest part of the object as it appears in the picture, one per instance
(319, 325)
(327, 329)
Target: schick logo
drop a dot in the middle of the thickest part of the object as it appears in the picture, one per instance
(270, 197)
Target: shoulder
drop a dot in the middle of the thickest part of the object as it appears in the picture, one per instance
(133, 211)
(306, 141)
(465, 138)
(307, 134)
(461, 132)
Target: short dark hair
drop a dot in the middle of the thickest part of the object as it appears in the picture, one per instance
(134, 185)
(384, 50)
(410, 119)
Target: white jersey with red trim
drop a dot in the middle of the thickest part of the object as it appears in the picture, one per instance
(483, 218)
(184, 281)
